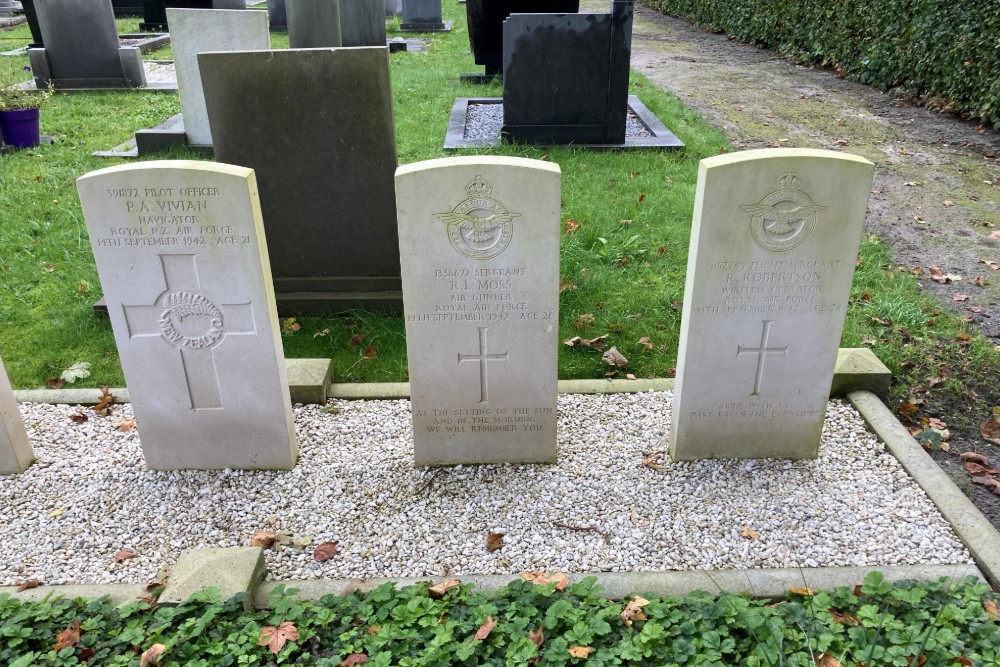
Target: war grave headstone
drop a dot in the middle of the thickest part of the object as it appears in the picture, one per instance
(326, 186)
(485, 20)
(194, 31)
(423, 16)
(277, 16)
(362, 22)
(154, 12)
(311, 24)
(774, 243)
(479, 244)
(15, 449)
(81, 48)
(181, 255)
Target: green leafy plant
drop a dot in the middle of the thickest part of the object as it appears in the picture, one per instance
(13, 98)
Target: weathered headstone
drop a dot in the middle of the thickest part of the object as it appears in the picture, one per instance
(15, 449)
(180, 251)
(325, 172)
(196, 30)
(154, 12)
(81, 47)
(362, 23)
(479, 242)
(423, 16)
(565, 76)
(486, 18)
(312, 24)
(393, 7)
(773, 248)
(277, 17)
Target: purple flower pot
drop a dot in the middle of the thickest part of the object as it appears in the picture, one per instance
(20, 128)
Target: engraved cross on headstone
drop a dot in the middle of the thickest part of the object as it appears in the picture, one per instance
(192, 324)
(761, 352)
(483, 358)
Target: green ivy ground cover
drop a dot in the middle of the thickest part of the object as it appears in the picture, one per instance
(946, 52)
(908, 623)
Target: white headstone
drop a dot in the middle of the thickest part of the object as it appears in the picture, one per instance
(15, 450)
(193, 31)
(180, 251)
(773, 248)
(479, 247)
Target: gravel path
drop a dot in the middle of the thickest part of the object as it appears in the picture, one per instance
(598, 509)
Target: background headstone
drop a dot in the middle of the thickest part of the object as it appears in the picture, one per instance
(82, 48)
(194, 31)
(565, 77)
(276, 15)
(154, 12)
(362, 22)
(325, 169)
(479, 243)
(15, 449)
(393, 7)
(28, 6)
(423, 16)
(180, 251)
(485, 20)
(312, 23)
(773, 248)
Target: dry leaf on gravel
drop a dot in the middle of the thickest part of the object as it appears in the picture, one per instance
(326, 551)
(25, 585)
(749, 533)
(275, 637)
(494, 541)
(125, 425)
(123, 555)
(438, 590)
(264, 539)
(485, 629)
(151, 656)
(651, 462)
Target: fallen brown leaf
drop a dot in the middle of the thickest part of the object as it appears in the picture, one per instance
(68, 637)
(123, 555)
(572, 226)
(355, 341)
(976, 469)
(749, 533)
(581, 651)
(103, 406)
(494, 541)
(801, 590)
(79, 418)
(275, 637)
(540, 578)
(827, 660)
(151, 656)
(975, 457)
(633, 611)
(990, 432)
(991, 609)
(370, 352)
(125, 425)
(326, 551)
(614, 358)
(651, 462)
(438, 590)
(644, 341)
(263, 538)
(485, 629)
(594, 343)
(25, 585)
(843, 619)
(960, 297)
(354, 659)
(536, 637)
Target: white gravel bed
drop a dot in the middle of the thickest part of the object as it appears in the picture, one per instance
(484, 121)
(598, 509)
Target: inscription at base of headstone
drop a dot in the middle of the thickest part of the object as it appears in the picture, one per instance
(180, 251)
(196, 30)
(773, 247)
(15, 449)
(479, 245)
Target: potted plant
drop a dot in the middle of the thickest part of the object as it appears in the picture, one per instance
(19, 111)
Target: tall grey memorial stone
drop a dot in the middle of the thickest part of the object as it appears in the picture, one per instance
(15, 449)
(81, 48)
(479, 243)
(180, 251)
(312, 24)
(326, 184)
(195, 30)
(362, 22)
(773, 248)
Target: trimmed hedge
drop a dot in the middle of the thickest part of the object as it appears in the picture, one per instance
(947, 53)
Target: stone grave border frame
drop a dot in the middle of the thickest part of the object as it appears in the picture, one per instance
(662, 137)
(860, 377)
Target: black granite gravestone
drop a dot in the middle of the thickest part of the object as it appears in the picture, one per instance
(154, 12)
(125, 8)
(316, 125)
(277, 18)
(36, 33)
(566, 76)
(486, 19)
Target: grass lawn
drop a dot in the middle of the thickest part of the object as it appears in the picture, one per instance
(626, 219)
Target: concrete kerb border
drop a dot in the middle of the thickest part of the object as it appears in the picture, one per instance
(975, 531)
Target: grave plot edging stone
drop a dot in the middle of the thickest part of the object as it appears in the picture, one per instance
(973, 529)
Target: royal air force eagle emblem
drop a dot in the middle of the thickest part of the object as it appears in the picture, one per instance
(480, 227)
(784, 219)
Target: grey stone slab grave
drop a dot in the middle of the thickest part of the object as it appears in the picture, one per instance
(15, 449)
(423, 16)
(154, 12)
(81, 48)
(485, 21)
(312, 24)
(774, 243)
(180, 251)
(196, 30)
(362, 23)
(325, 174)
(566, 76)
(479, 244)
